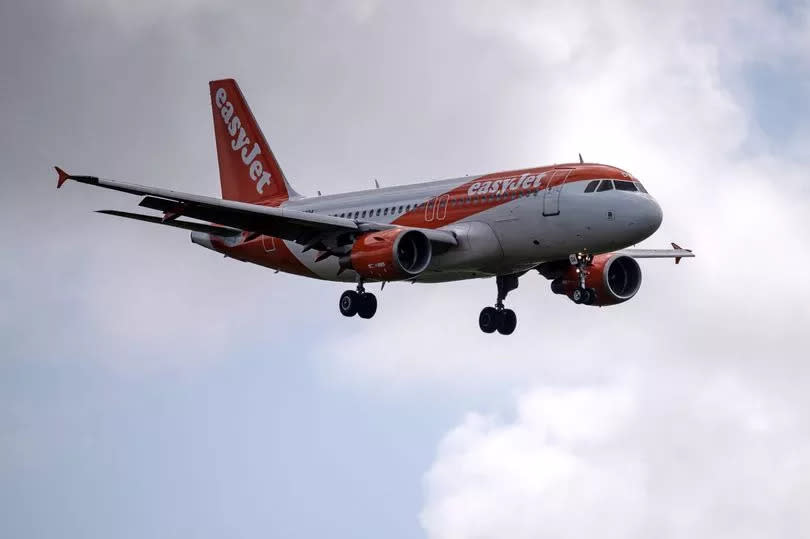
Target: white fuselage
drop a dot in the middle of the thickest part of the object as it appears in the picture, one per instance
(505, 223)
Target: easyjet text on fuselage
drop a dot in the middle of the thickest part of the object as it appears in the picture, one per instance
(514, 184)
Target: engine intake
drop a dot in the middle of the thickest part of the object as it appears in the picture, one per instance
(389, 255)
(615, 278)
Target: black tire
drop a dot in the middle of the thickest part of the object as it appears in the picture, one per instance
(489, 319)
(590, 296)
(577, 295)
(367, 306)
(349, 303)
(507, 322)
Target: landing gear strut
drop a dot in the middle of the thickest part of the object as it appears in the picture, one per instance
(582, 294)
(360, 302)
(497, 317)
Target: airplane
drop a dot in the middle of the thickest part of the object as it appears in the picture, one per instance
(572, 223)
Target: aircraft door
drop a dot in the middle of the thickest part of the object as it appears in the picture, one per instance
(441, 207)
(551, 197)
(269, 244)
(430, 209)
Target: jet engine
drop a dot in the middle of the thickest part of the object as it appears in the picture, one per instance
(611, 279)
(389, 255)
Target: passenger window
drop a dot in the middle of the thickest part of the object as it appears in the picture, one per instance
(378, 212)
(605, 185)
(385, 212)
(408, 207)
(592, 186)
(625, 186)
(356, 214)
(400, 209)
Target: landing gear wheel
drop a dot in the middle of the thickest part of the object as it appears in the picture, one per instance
(367, 305)
(489, 319)
(583, 296)
(349, 303)
(507, 322)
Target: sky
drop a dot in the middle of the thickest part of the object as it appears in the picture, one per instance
(150, 388)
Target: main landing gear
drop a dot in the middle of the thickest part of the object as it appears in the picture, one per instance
(498, 318)
(582, 294)
(361, 302)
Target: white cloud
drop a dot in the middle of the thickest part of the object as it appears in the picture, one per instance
(657, 91)
(620, 460)
(705, 434)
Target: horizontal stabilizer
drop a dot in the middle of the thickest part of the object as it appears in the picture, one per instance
(187, 225)
(677, 252)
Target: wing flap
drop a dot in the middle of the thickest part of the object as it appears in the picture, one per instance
(187, 225)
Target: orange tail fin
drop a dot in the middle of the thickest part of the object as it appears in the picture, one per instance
(248, 170)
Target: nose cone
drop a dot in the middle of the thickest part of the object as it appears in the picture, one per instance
(652, 216)
(645, 218)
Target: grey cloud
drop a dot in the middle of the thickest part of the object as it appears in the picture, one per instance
(349, 92)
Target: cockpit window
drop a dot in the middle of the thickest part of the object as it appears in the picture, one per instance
(591, 186)
(641, 187)
(605, 185)
(625, 186)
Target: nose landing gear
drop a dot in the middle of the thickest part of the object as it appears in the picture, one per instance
(497, 318)
(582, 294)
(360, 302)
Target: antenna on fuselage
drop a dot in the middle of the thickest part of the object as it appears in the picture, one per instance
(580, 159)
(376, 183)
(319, 193)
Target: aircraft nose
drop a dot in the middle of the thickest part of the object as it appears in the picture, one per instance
(653, 216)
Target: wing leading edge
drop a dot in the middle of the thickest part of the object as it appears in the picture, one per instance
(288, 224)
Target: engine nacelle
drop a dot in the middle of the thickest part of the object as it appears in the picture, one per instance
(389, 255)
(615, 278)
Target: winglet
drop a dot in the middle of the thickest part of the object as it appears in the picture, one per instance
(679, 248)
(63, 177)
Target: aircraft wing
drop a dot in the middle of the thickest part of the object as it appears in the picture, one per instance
(289, 224)
(677, 252)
